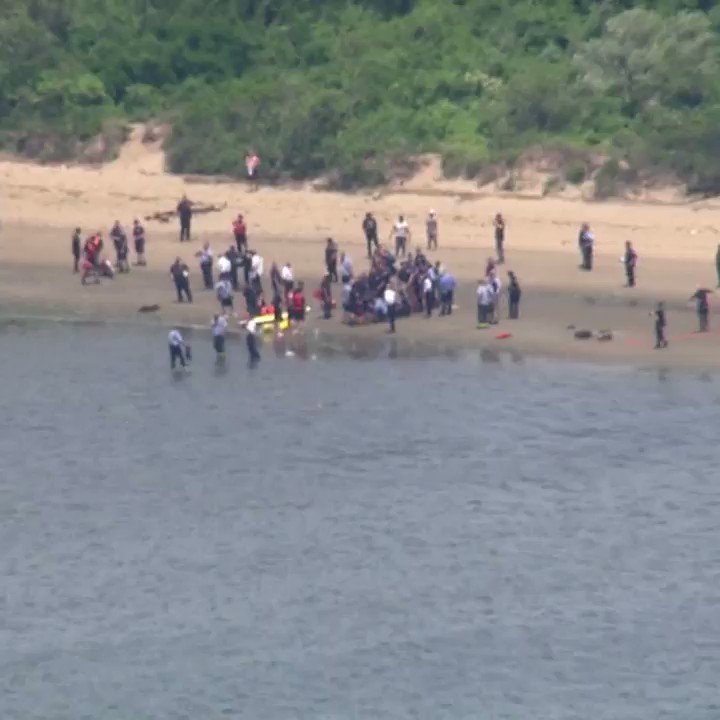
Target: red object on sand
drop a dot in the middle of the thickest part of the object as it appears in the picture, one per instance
(503, 336)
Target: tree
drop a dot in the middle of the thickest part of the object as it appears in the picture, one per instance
(649, 59)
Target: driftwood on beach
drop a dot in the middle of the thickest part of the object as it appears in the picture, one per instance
(165, 216)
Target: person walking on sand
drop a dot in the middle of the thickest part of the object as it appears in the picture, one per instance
(180, 275)
(499, 225)
(630, 262)
(240, 233)
(139, 242)
(586, 240)
(176, 346)
(431, 230)
(346, 267)
(390, 297)
(514, 295)
(206, 265)
(331, 259)
(184, 211)
(75, 247)
(484, 303)
(660, 323)
(401, 232)
(251, 342)
(702, 308)
(219, 326)
(370, 229)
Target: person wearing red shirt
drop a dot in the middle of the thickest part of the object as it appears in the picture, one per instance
(240, 233)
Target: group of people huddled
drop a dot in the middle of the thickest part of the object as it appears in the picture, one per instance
(241, 269)
(88, 258)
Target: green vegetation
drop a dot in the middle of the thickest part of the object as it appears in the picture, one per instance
(347, 88)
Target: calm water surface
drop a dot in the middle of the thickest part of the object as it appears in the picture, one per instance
(351, 539)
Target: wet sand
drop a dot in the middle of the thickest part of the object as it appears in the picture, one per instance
(676, 243)
(36, 281)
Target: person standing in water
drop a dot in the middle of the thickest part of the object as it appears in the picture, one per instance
(431, 230)
(499, 225)
(514, 294)
(630, 262)
(251, 342)
(702, 308)
(326, 297)
(176, 345)
(331, 259)
(76, 249)
(660, 323)
(219, 326)
(184, 211)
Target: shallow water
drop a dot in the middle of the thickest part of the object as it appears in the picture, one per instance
(410, 538)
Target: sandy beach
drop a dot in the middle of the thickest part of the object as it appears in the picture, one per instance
(676, 244)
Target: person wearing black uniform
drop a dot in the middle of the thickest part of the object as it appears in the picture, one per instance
(702, 308)
(630, 262)
(139, 239)
(514, 294)
(184, 211)
(370, 228)
(331, 258)
(660, 341)
(585, 243)
(76, 245)
(180, 274)
(499, 225)
(234, 257)
(117, 233)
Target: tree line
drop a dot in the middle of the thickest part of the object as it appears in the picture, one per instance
(347, 88)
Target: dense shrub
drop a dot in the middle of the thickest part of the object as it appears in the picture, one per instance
(340, 88)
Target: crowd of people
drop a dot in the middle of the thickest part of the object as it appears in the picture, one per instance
(394, 285)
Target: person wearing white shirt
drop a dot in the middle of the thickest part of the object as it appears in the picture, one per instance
(257, 265)
(219, 325)
(224, 267)
(495, 285)
(429, 294)
(286, 275)
(176, 344)
(390, 297)
(401, 231)
(251, 342)
(484, 301)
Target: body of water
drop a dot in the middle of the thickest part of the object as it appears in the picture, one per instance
(339, 538)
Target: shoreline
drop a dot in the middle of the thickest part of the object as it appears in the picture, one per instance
(543, 330)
